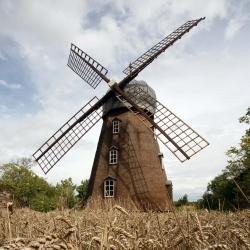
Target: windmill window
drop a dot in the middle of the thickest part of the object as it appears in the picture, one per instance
(109, 188)
(113, 156)
(116, 126)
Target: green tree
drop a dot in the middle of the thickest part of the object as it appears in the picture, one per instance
(82, 190)
(231, 189)
(220, 194)
(25, 186)
(182, 201)
(66, 193)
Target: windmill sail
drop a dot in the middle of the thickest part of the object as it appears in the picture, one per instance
(174, 133)
(171, 130)
(67, 136)
(86, 67)
(145, 59)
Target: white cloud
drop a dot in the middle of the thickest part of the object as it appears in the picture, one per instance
(239, 18)
(9, 86)
(234, 26)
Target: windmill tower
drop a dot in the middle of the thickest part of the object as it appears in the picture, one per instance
(127, 163)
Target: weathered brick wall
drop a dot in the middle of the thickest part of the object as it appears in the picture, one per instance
(5, 197)
(144, 183)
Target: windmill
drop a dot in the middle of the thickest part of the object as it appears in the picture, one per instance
(127, 162)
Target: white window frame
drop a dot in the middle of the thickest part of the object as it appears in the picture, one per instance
(115, 126)
(109, 188)
(113, 155)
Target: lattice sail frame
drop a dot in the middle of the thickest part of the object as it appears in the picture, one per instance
(146, 58)
(178, 131)
(93, 72)
(55, 147)
(82, 64)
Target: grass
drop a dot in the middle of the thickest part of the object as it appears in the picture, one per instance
(114, 227)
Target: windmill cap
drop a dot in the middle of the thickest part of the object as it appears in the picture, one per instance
(147, 98)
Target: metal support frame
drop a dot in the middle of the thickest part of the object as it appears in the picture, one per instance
(146, 58)
(86, 67)
(174, 133)
(66, 137)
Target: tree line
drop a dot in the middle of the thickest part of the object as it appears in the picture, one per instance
(30, 190)
(230, 190)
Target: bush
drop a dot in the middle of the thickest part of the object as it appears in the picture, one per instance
(43, 203)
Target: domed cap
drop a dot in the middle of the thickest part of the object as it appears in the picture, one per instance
(145, 99)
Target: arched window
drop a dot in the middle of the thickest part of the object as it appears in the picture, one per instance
(116, 126)
(109, 187)
(113, 155)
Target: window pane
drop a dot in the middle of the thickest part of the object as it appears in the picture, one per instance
(113, 156)
(109, 188)
(115, 125)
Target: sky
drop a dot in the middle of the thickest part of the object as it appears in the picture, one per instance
(203, 78)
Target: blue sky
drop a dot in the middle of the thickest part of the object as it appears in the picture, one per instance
(15, 83)
(204, 78)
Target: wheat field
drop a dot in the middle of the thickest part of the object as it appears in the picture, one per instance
(116, 228)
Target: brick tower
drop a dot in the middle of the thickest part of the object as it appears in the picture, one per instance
(128, 163)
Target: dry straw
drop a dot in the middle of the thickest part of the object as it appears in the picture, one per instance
(115, 227)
